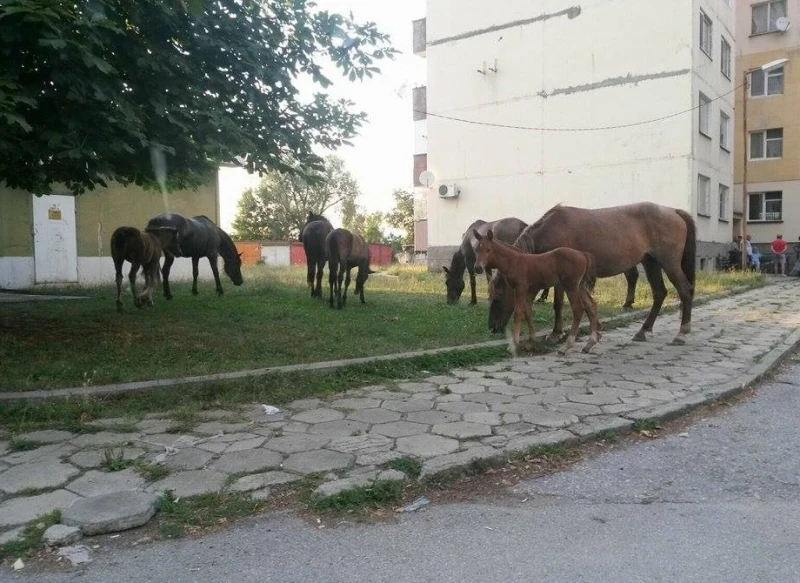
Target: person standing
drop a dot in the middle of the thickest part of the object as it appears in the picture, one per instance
(779, 249)
(748, 249)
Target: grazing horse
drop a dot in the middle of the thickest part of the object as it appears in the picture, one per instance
(313, 235)
(199, 237)
(618, 237)
(345, 251)
(570, 270)
(141, 250)
(506, 230)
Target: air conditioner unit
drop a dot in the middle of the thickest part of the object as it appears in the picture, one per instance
(448, 191)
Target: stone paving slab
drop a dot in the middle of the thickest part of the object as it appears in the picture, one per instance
(444, 421)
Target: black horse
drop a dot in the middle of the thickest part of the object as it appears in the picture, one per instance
(199, 237)
(345, 251)
(312, 236)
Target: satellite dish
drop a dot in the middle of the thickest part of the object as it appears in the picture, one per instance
(782, 24)
(426, 178)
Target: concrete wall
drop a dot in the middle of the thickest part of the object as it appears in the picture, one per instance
(98, 213)
(563, 65)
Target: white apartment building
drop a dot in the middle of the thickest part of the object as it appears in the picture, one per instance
(569, 66)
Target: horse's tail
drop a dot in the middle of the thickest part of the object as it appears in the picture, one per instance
(689, 249)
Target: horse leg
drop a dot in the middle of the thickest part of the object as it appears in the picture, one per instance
(473, 297)
(576, 305)
(346, 285)
(318, 291)
(654, 276)
(684, 288)
(631, 276)
(518, 310)
(168, 260)
(590, 306)
(150, 283)
(118, 273)
(526, 305)
(558, 306)
(331, 281)
(310, 275)
(543, 296)
(132, 277)
(339, 278)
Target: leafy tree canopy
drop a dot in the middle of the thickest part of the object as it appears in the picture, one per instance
(278, 207)
(402, 216)
(91, 90)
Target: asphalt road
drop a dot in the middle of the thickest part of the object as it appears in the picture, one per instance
(719, 504)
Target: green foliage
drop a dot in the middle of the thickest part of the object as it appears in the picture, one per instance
(23, 445)
(114, 461)
(31, 538)
(378, 493)
(203, 510)
(92, 91)
(151, 472)
(278, 207)
(402, 216)
(410, 466)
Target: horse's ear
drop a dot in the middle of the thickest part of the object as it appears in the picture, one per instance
(240, 254)
(490, 235)
(478, 236)
(447, 271)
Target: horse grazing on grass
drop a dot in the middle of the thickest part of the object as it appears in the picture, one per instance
(506, 230)
(141, 250)
(199, 237)
(312, 236)
(345, 251)
(618, 238)
(570, 270)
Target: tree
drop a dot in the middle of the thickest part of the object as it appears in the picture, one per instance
(357, 220)
(92, 91)
(279, 205)
(402, 216)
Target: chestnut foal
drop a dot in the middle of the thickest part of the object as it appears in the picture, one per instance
(567, 268)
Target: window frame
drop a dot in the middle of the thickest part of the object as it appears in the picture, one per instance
(704, 102)
(707, 40)
(723, 203)
(724, 136)
(770, 20)
(776, 72)
(725, 58)
(705, 195)
(764, 143)
(763, 205)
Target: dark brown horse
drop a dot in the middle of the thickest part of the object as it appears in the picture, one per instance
(313, 235)
(141, 250)
(567, 269)
(506, 230)
(199, 237)
(345, 251)
(658, 237)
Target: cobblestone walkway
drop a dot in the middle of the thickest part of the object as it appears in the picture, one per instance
(444, 421)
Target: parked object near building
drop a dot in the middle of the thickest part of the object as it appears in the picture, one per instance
(499, 74)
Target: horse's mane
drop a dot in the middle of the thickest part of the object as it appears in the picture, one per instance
(525, 240)
(315, 217)
(227, 248)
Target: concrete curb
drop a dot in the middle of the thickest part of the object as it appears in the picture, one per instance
(121, 388)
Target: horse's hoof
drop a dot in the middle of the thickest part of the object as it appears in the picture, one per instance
(627, 307)
(562, 352)
(473, 302)
(119, 307)
(678, 342)
(640, 337)
(552, 338)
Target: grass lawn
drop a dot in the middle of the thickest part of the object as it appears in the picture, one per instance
(270, 320)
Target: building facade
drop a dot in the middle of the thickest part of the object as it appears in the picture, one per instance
(766, 32)
(63, 239)
(517, 91)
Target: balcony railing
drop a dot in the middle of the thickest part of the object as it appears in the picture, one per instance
(420, 39)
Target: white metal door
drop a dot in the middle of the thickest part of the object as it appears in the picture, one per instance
(55, 245)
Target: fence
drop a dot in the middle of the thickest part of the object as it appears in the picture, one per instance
(292, 253)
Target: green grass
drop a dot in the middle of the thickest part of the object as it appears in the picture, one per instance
(114, 461)
(151, 472)
(378, 493)
(269, 321)
(202, 511)
(15, 445)
(645, 425)
(31, 538)
(410, 466)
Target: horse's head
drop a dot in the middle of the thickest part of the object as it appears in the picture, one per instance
(169, 238)
(484, 252)
(501, 303)
(233, 268)
(361, 279)
(454, 284)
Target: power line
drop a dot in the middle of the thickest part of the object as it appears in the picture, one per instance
(596, 129)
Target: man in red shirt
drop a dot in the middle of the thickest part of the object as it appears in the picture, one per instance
(779, 249)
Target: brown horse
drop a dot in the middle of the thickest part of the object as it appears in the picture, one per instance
(570, 270)
(618, 237)
(313, 235)
(506, 230)
(141, 250)
(346, 250)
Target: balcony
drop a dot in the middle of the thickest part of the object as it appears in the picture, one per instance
(419, 37)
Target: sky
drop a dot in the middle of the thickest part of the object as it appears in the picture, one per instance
(381, 156)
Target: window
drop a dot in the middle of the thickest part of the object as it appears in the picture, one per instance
(724, 131)
(724, 202)
(705, 115)
(765, 206)
(766, 14)
(766, 144)
(703, 195)
(766, 82)
(725, 58)
(705, 33)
